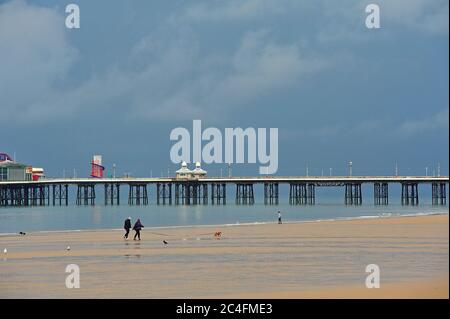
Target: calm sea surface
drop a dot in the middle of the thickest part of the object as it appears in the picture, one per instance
(72, 217)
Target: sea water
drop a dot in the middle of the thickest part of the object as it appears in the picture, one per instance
(99, 216)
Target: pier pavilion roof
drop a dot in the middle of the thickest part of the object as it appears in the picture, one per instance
(198, 170)
(12, 164)
(184, 169)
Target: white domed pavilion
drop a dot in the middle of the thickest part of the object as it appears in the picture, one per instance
(198, 172)
(185, 172)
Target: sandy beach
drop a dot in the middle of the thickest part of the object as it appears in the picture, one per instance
(324, 259)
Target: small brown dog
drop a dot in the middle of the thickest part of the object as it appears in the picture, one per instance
(217, 234)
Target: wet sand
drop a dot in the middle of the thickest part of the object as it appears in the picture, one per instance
(293, 260)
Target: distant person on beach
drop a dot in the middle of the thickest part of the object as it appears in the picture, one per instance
(127, 227)
(279, 218)
(137, 228)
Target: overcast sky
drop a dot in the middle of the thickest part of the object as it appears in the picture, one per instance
(135, 70)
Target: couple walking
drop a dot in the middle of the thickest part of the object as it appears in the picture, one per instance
(137, 228)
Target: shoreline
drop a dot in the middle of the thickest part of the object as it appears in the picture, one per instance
(325, 259)
(368, 217)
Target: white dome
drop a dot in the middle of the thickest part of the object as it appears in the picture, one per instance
(183, 164)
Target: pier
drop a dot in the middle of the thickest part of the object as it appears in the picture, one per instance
(214, 190)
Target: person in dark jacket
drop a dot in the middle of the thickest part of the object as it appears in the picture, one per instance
(127, 227)
(137, 228)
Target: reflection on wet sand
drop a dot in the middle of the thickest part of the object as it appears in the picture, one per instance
(292, 260)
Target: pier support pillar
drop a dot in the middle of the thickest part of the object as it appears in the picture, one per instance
(194, 193)
(271, 193)
(60, 194)
(178, 190)
(353, 194)
(25, 195)
(164, 193)
(302, 194)
(137, 194)
(311, 194)
(218, 193)
(205, 193)
(112, 192)
(44, 195)
(33, 195)
(191, 193)
(85, 194)
(381, 193)
(439, 194)
(3, 196)
(244, 193)
(17, 195)
(410, 194)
